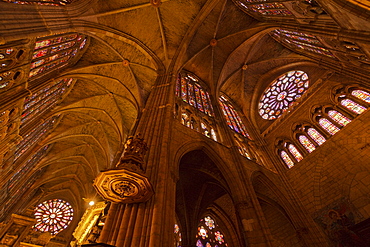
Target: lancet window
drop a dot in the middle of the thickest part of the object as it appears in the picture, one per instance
(53, 216)
(177, 235)
(15, 186)
(303, 41)
(281, 95)
(55, 52)
(232, 117)
(209, 234)
(261, 7)
(188, 88)
(289, 153)
(302, 11)
(194, 107)
(45, 99)
(48, 2)
(34, 136)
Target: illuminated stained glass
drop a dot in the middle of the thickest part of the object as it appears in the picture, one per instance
(213, 134)
(34, 136)
(190, 91)
(302, 41)
(353, 106)
(53, 216)
(209, 234)
(27, 166)
(270, 9)
(232, 117)
(199, 243)
(16, 194)
(219, 237)
(202, 232)
(306, 143)
(41, 2)
(287, 160)
(177, 235)
(294, 151)
(209, 222)
(282, 94)
(44, 99)
(362, 95)
(339, 117)
(328, 126)
(53, 52)
(316, 136)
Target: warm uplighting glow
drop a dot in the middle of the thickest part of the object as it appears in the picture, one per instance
(91, 203)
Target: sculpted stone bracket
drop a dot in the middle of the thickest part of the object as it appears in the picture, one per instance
(123, 186)
(127, 182)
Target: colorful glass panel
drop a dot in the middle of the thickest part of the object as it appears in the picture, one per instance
(177, 235)
(316, 136)
(44, 99)
(53, 52)
(209, 234)
(193, 94)
(362, 95)
(339, 117)
(209, 222)
(353, 106)
(232, 117)
(287, 160)
(282, 94)
(306, 143)
(294, 151)
(271, 9)
(302, 41)
(53, 216)
(328, 126)
(33, 137)
(42, 2)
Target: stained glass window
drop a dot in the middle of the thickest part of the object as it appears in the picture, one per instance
(268, 9)
(328, 126)
(232, 117)
(44, 99)
(316, 136)
(54, 52)
(294, 151)
(353, 106)
(177, 235)
(287, 160)
(53, 216)
(34, 136)
(42, 2)
(21, 181)
(282, 94)
(339, 117)
(190, 91)
(306, 143)
(302, 41)
(209, 234)
(26, 167)
(362, 95)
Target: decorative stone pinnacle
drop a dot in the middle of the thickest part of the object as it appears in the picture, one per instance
(135, 149)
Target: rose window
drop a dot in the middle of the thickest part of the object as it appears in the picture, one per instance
(53, 216)
(282, 94)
